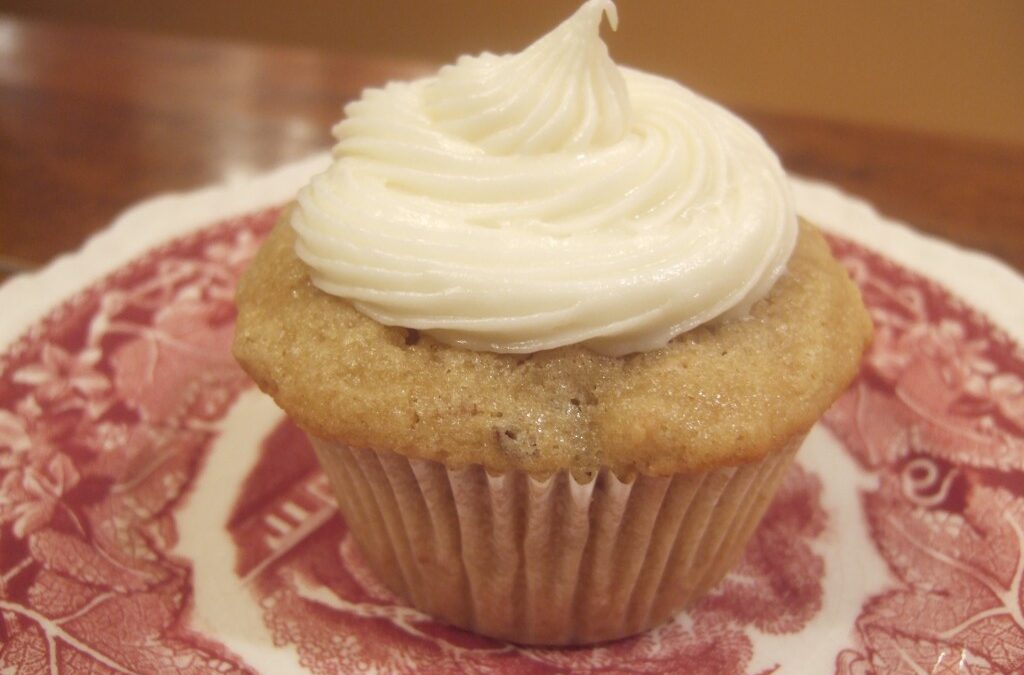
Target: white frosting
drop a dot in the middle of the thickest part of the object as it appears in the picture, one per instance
(524, 202)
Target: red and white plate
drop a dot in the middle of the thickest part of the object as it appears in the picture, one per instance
(158, 514)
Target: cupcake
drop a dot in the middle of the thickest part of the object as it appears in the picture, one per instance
(556, 333)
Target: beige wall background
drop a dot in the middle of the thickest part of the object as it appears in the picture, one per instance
(939, 66)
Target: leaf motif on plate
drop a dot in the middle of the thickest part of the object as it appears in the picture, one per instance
(962, 577)
(105, 413)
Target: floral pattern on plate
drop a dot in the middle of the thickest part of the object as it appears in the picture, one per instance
(938, 414)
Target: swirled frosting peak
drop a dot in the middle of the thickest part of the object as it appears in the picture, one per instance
(562, 94)
(524, 202)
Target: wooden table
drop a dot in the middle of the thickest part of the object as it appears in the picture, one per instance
(93, 120)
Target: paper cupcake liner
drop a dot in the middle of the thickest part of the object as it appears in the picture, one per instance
(551, 562)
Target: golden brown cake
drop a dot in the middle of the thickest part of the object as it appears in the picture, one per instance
(554, 350)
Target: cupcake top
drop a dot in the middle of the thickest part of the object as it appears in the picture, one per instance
(521, 263)
(524, 202)
(716, 395)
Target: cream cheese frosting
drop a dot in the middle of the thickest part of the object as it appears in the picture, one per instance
(524, 202)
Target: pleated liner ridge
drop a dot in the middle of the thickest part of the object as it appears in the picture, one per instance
(550, 562)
